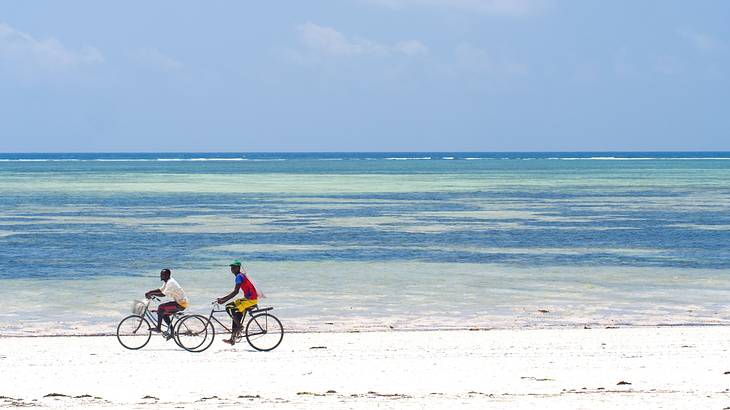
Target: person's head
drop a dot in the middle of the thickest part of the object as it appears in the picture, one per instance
(165, 274)
(236, 267)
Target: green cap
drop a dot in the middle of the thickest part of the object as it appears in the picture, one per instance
(236, 263)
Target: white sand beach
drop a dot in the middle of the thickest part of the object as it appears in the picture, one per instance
(668, 367)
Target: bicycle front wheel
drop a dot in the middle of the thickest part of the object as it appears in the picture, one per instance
(194, 333)
(134, 332)
(264, 332)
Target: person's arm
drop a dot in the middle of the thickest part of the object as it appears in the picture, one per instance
(227, 297)
(153, 292)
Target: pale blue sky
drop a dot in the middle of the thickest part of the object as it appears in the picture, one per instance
(364, 75)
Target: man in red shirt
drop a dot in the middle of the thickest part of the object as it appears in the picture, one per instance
(236, 308)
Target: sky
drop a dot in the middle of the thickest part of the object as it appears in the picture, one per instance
(364, 75)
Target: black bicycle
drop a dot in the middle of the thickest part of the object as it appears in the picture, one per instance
(263, 331)
(135, 331)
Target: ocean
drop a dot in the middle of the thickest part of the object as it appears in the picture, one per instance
(370, 241)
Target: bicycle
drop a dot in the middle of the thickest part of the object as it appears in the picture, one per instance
(134, 331)
(263, 331)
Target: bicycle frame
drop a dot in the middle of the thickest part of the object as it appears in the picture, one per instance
(248, 312)
(211, 318)
(147, 314)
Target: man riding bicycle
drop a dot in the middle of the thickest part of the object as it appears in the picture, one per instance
(172, 290)
(236, 308)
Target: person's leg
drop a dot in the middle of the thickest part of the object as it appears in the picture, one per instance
(168, 319)
(236, 316)
(164, 311)
(231, 310)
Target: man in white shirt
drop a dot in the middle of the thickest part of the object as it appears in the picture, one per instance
(172, 290)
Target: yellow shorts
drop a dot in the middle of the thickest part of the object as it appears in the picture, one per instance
(243, 304)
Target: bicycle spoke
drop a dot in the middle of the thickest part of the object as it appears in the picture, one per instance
(258, 326)
(192, 333)
(264, 332)
(133, 332)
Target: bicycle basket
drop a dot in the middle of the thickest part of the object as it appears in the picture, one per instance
(138, 307)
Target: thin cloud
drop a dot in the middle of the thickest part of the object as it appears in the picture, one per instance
(496, 7)
(470, 58)
(328, 41)
(701, 41)
(668, 65)
(155, 58)
(411, 48)
(22, 48)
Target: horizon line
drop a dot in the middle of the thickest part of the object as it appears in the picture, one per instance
(360, 152)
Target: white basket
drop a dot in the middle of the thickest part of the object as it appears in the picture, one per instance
(138, 307)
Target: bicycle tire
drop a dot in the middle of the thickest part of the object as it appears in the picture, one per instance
(198, 344)
(134, 327)
(264, 324)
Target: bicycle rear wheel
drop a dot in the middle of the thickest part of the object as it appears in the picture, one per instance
(264, 332)
(134, 332)
(194, 333)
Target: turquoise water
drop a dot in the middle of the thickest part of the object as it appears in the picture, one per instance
(370, 240)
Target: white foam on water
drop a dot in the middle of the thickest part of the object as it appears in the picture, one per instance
(217, 159)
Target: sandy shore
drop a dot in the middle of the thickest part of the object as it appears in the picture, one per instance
(677, 367)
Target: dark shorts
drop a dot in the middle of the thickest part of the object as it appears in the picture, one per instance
(169, 308)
